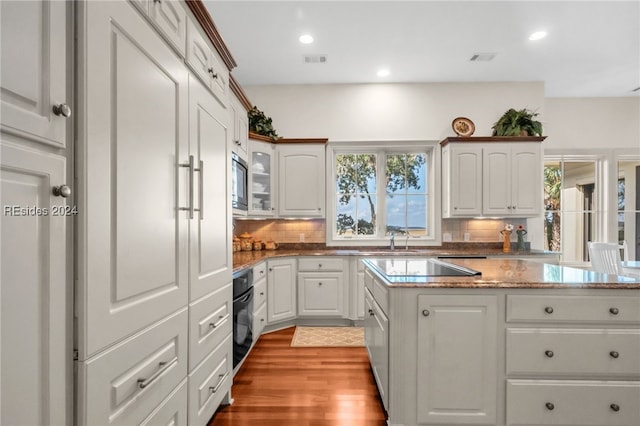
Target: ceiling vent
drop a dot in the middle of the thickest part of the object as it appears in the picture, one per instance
(314, 59)
(483, 57)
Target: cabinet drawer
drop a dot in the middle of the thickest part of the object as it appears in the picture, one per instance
(259, 271)
(580, 403)
(259, 293)
(318, 264)
(379, 292)
(210, 321)
(603, 309)
(172, 411)
(573, 352)
(124, 384)
(259, 321)
(209, 383)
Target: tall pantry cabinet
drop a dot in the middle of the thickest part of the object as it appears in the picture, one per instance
(36, 342)
(153, 296)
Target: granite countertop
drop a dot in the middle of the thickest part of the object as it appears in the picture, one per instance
(246, 259)
(504, 273)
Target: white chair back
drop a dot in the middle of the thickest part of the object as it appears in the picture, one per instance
(605, 258)
(625, 250)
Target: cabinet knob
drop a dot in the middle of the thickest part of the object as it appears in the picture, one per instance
(425, 312)
(237, 142)
(62, 110)
(61, 191)
(319, 265)
(319, 283)
(549, 406)
(549, 354)
(213, 74)
(614, 311)
(371, 313)
(615, 407)
(270, 269)
(455, 208)
(548, 310)
(261, 319)
(614, 354)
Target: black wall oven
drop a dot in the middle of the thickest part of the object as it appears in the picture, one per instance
(239, 183)
(242, 314)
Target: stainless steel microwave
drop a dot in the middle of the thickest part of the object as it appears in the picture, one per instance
(239, 183)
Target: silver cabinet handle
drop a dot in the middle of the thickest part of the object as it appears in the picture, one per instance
(62, 110)
(201, 189)
(221, 319)
(614, 311)
(615, 407)
(61, 191)
(164, 366)
(189, 165)
(222, 377)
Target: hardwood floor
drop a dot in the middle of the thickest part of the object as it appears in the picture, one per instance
(281, 385)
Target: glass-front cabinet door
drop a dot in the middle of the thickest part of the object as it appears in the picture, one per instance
(261, 178)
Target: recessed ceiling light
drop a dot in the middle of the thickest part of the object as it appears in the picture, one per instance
(306, 39)
(538, 35)
(383, 73)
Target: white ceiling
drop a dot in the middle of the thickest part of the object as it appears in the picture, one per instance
(592, 48)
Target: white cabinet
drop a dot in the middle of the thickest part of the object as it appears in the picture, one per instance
(490, 178)
(259, 299)
(207, 64)
(376, 334)
(240, 137)
(34, 70)
(36, 303)
(169, 17)
(262, 176)
(281, 290)
(512, 179)
(462, 180)
(211, 262)
(301, 180)
(321, 287)
(132, 239)
(457, 359)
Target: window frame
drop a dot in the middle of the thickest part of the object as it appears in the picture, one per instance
(381, 149)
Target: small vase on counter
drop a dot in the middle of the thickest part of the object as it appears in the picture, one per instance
(506, 241)
(521, 232)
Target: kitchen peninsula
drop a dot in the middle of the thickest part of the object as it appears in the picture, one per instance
(522, 343)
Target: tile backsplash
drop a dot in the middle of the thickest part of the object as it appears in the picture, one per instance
(283, 230)
(477, 230)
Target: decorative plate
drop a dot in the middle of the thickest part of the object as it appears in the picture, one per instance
(463, 126)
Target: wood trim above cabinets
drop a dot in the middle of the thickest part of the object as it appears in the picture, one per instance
(256, 136)
(240, 94)
(485, 139)
(203, 17)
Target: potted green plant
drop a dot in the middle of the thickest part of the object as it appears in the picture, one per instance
(261, 124)
(518, 123)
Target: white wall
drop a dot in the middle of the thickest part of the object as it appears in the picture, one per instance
(579, 123)
(390, 111)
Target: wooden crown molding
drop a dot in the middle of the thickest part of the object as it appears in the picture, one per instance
(256, 136)
(204, 18)
(492, 139)
(237, 90)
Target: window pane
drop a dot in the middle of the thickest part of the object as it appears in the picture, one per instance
(629, 206)
(406, 173)
(406, 200)
(407, 214)
(356, 208)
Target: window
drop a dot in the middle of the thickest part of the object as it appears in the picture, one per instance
(379, 191)
(628, 203)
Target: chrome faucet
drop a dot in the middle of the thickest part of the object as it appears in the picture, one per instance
(392, 242)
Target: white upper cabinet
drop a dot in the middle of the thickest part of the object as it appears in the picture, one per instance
(170, 17)
(206, 63)
(301, 180)
(132, 237)
(462, 180)
(512, 179)
(262, 174)
(34, 74)
(498, 179)
(240, 137)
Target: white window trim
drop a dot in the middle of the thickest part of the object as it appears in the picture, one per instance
(432, 148)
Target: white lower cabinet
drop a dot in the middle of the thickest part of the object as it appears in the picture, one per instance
(259, 321)
(172, 411)
(376, 335)
(281, 290)
(210, 382)
(572, 402)
(322, 289)
(124, 384)
(457, 359)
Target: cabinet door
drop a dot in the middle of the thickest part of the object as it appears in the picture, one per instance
(301, 180)
(240, 128)
(457, 355)
(281, 290)
(320, 294)
(34, 69)
(376, 332)
(496, 180)
(204, 62)
(210, 231)
(132, 239)
(261, 178)
(466, 181)
(526, 179)
(170, 18)
(34, 292)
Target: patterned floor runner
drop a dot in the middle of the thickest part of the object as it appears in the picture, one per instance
(328, 336)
